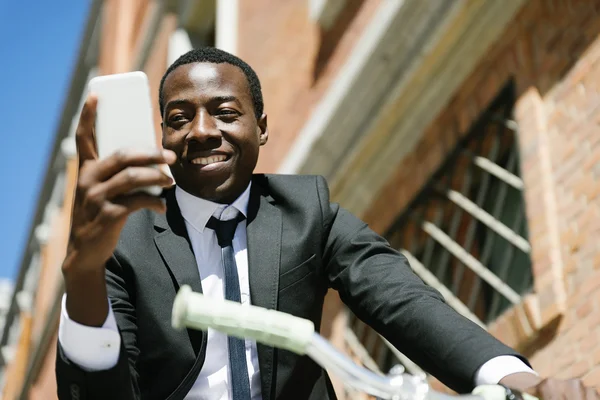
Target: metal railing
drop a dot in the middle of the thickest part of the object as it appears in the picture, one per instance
(464, 234)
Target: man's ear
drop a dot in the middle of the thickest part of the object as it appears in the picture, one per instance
(263, 130)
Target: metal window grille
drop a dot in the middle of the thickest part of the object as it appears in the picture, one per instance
(465, 233)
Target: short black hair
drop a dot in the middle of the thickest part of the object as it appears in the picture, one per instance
(217, 56)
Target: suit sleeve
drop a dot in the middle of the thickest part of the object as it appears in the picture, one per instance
(120, 382)
(378, 285)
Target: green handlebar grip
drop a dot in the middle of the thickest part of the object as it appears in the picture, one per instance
(270, 327)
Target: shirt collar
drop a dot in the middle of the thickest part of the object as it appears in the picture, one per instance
(197, 211)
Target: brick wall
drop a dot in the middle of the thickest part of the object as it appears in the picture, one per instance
(552, 52)
(295, 61)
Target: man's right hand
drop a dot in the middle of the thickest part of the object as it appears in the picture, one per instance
(103, 201)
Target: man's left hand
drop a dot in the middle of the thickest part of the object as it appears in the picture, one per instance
(550, 388)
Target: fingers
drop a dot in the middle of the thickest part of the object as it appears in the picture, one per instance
(576, 390)
(592, 394)
(573, 389)
(84, 135)
(115, 212)
(98, 199)
(131, 158)
(545, 390)
(133, 178)
(135, 202)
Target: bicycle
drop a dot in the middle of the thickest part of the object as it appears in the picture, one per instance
(285, 331)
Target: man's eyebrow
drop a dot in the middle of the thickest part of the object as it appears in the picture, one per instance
(216, 99)
(224, 99)
(177, 102)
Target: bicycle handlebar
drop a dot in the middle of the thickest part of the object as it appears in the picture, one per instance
(270, 327)
(281, 330)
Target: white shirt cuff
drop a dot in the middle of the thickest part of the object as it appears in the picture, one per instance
(91, 348)
(494, 370)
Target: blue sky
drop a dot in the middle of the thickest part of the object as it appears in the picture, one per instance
(38, 46)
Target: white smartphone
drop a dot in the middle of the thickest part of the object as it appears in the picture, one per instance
(124, 115)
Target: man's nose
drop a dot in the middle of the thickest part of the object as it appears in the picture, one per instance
(204, 126)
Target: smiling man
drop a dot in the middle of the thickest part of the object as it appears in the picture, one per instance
(272, 241)
(215, 124)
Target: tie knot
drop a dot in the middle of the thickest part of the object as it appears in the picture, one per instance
(225, 230)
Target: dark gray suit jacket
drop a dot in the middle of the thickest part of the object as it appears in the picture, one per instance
(299, 245)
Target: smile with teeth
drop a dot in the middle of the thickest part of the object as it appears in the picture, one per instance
(208, 160)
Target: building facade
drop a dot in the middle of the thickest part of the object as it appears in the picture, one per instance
(465, 132)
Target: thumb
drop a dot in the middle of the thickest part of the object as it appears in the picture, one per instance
(84, 135)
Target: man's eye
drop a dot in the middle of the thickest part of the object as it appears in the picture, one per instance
(177, 118)
(227, 112)
(228, 115)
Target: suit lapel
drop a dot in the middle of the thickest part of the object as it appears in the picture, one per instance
(173, 243)
(264, 254)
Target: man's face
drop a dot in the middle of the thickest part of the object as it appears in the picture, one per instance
(210, 123)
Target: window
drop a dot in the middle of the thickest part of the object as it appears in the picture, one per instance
(465, 233)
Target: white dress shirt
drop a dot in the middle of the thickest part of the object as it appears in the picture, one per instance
(95, 349)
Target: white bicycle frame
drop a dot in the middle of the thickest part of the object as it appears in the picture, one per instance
(285, 331)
